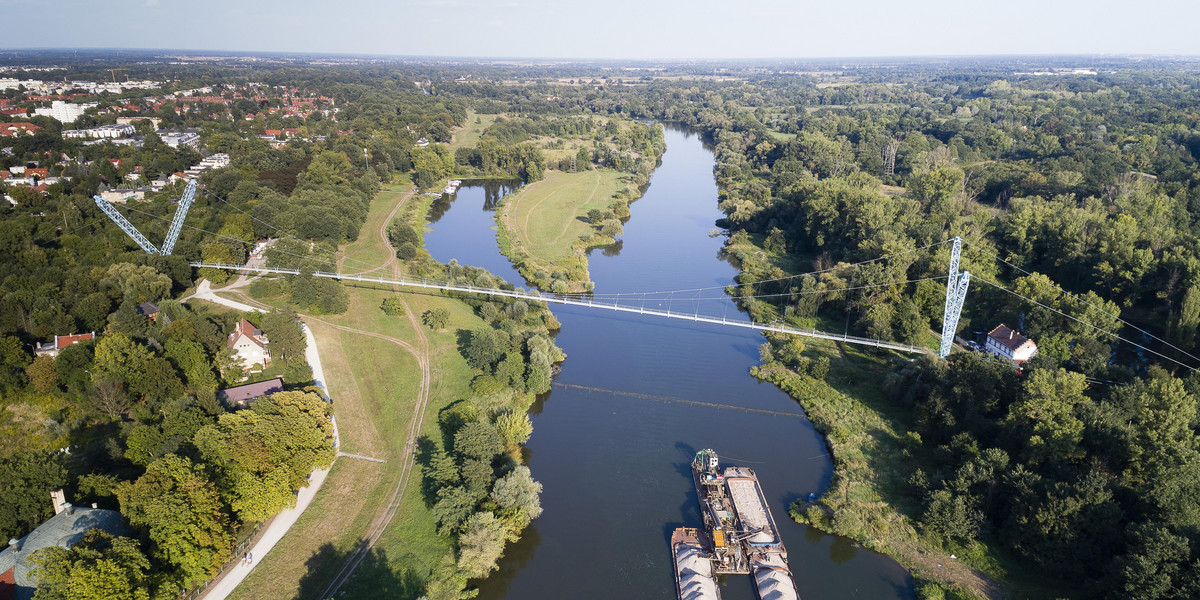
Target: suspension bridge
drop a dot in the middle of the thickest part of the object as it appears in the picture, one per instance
(578, 300)
(956, 288)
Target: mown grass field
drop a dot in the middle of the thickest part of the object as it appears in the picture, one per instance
(368, 250)
(374, 384)
(468, 136)
(544, 218)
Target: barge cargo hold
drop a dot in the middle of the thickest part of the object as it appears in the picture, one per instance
(694, 576)
(740, 529)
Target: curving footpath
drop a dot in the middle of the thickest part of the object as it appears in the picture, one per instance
(282, 522)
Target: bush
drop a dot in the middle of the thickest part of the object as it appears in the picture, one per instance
(392, 306)
(406, 251)
(436, 318)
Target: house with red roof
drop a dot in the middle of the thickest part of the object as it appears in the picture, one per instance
(249, 344)
(12, 129)
(1008, 343)
(52, 349)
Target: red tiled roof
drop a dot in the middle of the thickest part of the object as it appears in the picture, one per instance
(1007, 337)
(62, 341)
(8, 584)
(17, 128)
(244, 328)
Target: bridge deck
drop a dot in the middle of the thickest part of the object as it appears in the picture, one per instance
(585, 302)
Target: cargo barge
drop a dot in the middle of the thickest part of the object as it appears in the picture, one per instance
(741, 531)
(694, 575)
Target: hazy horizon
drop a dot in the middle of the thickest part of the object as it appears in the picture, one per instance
(621, 30)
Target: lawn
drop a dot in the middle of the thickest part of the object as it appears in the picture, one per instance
(468, 136)
(545, 217)
(369, 250)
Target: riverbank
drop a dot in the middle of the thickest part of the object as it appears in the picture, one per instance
(375, 530)
(840, 388)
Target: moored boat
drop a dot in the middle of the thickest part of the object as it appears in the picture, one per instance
(695, 578)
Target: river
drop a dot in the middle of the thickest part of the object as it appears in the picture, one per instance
(638, 396)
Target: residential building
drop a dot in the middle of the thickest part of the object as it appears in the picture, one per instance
(101, 132)
(14, 129)
(250, 345)
(175, 139)
(241, 396)
(64, 529)
(52, 349)
(123, 196)
(1006, 342)
(64, 112)
(149, 310)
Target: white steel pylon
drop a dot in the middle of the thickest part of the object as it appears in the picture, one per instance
(956, 293)
(185, 202)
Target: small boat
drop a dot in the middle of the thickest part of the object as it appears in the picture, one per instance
(694, 576)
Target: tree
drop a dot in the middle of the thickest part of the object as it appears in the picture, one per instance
(481, 544)
(1046, 411)
(137, 283)
(393, 306)
(517, 496)
(453, 507)
(479, 440)
(436, 318)
(483, 349)
(98, 567)
(263, 455)
(180, 512)
(119, 358)
(13, 360)
(283, 328)
(515, 427)
(28, 478)
(42, 374)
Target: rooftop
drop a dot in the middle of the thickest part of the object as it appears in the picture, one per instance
(243, 394)
(63, 529)
(1008, 337)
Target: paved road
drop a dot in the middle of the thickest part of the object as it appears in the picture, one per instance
(282, 522)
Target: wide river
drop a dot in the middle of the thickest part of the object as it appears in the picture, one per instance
(639, 395)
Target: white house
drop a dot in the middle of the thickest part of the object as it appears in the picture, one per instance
(250, 345)
(1005, 342)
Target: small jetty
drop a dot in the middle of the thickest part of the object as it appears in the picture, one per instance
(739, 536)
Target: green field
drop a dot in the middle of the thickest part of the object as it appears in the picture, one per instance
(545, 217)
(468, 136)
(375, 385)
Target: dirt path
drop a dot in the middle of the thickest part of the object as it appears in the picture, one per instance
(408, 460)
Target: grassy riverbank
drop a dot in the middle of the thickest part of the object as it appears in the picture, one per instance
(392, 375)
(544, 228)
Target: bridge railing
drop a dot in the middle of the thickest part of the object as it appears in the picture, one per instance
(584, 301)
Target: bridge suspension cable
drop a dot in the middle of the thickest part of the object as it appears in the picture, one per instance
(1081, 298)
(1085, 323)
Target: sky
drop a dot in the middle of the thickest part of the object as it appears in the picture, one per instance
(616, 29)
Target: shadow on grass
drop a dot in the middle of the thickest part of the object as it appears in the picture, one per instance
(373, 577)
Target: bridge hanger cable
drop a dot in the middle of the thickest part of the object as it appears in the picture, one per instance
(1080, 298)
(1082, 322)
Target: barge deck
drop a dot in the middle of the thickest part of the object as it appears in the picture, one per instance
(738, 528)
